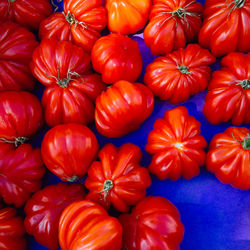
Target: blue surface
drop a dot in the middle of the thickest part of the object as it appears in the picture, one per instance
(215, 216)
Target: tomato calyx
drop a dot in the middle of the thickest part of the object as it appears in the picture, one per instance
(17, 141)
(245, 142)
(72, 179)
(183, 69)
(70, 18)
(245, 84)
(107, 186)
(237, 4)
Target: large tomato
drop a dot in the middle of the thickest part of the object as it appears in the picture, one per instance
(172, 24)
(80, 22)
(118, 178)
(16, 48)
(44, 209)
(86, 225)
(153, 224)
(228, 95)
(176, 145)
(127, 16)
(229, 157)
(181, 74)
(117, 57)
(68, 150)
(226, 26)
(122, 108)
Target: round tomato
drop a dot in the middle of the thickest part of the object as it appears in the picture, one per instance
(118, 178)
(44, 209)
(86, 225)
(176, 146)
(117, 57)
(228, 95)
(68, 150)
(181, 74)
(122, 108)
(153, 224)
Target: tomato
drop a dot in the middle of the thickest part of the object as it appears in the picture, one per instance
(68, 150)
(80, 22)
(176, 145)
(153, 224)
(228, 95)
(226, 26)
(229, 156)
(44, 209)
(122, 108)
(117, 57)
(127, 16)
(86, 225)
(16, 48)
(118, 178)
(181, 74)
(172, 24)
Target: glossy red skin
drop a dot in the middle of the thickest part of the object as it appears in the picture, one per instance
(86, 225)
(117, 57)
(44, 209)
(78, 148)
(12, 230)
(227, 158)
(225, 29)
(122, 108)
(153, 224)
(16, 48)
(122, 167)
(169, 83)
(225, 99)
(127, 16)
(171, 160)
(90, 12)
(166, 32)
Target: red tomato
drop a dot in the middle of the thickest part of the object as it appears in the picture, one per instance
(11, 230)
(16, 48)
(176, 146)
(181, 74)
(68, 150)
(118, 177)
(122, 108)
(226, 26)
(228, 95)
(80, 22)
(229, 157)
(153, 224)
(44, 209)
(127, 16)
(86, 225)
(172, 24)
(117, 57)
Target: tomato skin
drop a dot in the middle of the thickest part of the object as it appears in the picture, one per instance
(117, 57)
(122, 108)
(44, 209)
(228, 95)
(122, 167)
(153, 224)
(176, 146)
(86, 225)
(175, 84)
(127, 16)
(78, 148)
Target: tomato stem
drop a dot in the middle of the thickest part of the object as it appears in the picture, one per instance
(64, 82)
(183, 69)
(17, 141)
(245, 84)
(72, 179)
(108, 185)
(245, 143)
(11, 1)
(70, 18)
(239, 3)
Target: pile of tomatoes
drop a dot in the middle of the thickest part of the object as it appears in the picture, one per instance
(91, 78)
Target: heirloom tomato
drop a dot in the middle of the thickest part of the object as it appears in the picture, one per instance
(43, 211)
(68, 150)
(229, 157)
(153, 224)
(176, 145)
(181, 74)
(86, 225)
(228, 95)
(16, 48)
(117, 57)
(122, 108)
